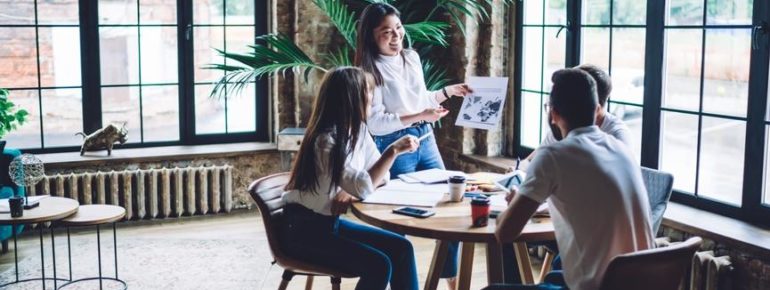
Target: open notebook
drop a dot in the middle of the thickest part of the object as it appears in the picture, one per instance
(430, 176)
(398, 192)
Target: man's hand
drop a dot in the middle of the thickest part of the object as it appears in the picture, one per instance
(509, 196)
(341, 203)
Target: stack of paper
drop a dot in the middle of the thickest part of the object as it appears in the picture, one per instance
(430, 176)
(398, 192)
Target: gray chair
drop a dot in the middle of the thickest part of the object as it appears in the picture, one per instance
(659, 185)
(659, 268)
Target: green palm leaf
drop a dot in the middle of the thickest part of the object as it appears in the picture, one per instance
(277, 55)
(435, 76)
(431, 32)
(470, 8)
(338, 58)
(343, 19)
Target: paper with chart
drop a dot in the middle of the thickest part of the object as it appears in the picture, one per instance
(482, 108)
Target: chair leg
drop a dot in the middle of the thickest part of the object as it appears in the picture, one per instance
(336, 283)
(286, 278)
(547, 262)
(309, 283)
(5, 247)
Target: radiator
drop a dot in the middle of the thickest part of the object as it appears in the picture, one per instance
(148, 193)
(710, 272)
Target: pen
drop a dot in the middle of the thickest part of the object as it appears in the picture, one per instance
(518, 161)
(425, 136)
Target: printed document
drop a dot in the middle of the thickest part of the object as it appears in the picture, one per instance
(482, 108)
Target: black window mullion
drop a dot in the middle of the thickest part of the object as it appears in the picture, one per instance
(89, 63)
(753, 174)
(518, 77)
(39, 83)
(186, 63)
(700, 99)
(139, 59)
(262, 103)
(653, 83)
(574, 22)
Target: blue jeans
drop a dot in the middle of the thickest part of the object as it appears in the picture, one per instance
(427, 156)
(377, 256)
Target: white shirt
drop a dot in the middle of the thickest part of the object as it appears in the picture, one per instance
(403, 92)
(611, 125)
(598, 202)
(355, 177)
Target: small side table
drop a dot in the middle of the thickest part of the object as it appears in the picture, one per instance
(95, 215)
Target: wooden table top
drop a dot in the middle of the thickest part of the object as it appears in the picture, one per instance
(95, 214)
(50, 209)
(452, 221)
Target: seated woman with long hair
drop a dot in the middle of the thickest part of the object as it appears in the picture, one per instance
(337, 163)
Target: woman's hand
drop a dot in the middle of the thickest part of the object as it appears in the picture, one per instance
(460, 90)
(431, 115)
(341, 203)
(405, 144)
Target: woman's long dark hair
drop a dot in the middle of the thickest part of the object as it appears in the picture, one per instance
(367, 51)
(339, 109)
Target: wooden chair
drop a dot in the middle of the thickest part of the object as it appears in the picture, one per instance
(266, 192)
(659, 268)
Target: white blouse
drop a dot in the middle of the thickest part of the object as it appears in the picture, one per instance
(355, 177)
(403, 92)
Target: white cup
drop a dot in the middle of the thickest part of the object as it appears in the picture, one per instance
(456, 188)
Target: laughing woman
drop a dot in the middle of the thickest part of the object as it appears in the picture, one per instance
(338, 162)
(402, 105)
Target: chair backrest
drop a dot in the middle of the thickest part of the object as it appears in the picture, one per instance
(658, 269)
(267, 192)
(659, 185)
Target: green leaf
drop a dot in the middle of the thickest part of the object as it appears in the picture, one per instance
(338, 58)
(435, 76)
(474, 9)
(378, 1)
(276, 56)
(9, 117)
(430, 32)
(341, 17)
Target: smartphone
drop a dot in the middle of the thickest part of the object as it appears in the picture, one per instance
(415, 212)
(493, 214)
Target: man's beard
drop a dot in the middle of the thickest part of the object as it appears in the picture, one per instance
(554, 129)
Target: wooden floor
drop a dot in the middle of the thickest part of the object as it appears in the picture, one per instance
(238, 226)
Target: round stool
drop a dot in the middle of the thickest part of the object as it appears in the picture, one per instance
(95, 215)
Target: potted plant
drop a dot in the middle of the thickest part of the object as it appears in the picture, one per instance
(10, 116)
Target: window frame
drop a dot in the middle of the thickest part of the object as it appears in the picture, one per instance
(91, 85)
(751, 209)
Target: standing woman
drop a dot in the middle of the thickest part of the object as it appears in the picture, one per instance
(402, 105)
(336, 163)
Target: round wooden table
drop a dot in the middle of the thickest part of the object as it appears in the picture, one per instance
(50, 209)
(452, 222)
(95, 215)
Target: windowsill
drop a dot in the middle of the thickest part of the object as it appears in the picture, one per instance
(164, 153)
(730, 232)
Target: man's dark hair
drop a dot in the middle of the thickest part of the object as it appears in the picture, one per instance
(603, 81)
(573, 96)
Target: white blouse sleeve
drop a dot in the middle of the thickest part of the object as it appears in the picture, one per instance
(382, 122)
(414, 58)
(355, 181)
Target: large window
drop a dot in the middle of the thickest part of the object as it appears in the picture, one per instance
(689, 78)
(77, 65)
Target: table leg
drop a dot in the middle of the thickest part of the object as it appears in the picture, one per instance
(53, 256)
(525, 266)
(69, 252)
(99, 255)
(466, 266)
(42, 258)
(15, 253)
(115, 245)
(494, 263)
(436, 264)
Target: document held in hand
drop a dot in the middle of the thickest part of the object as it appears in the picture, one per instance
(482, 108)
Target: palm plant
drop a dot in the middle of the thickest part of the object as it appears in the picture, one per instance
(10, 117)
(277, 54)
